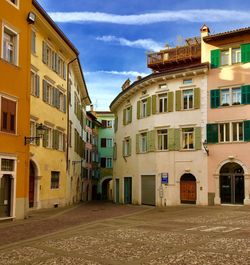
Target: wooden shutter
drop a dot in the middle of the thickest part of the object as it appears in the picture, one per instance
(245, 52)
(247, 131)
(138, 109)
(37, 88)
(64, 142)
(148, 106)
(116, 123)
(215, 58)
(124, 117)
(245, 94)
(8, 115)
(46, 137)
(151, 141)
(214, 98)
(170, 101)
(44, 90)
(54, 135)
(178, 100)
(171, 139)
(33, 41)
(114, 151)
(64, 107)
(130, 114)
(177, 139)
(154, 104)
(197, 135)
(197, 96)
(123, 147)
(137, 143)
(129, 146)
(212, 133)
(37, 139)
(45, 53)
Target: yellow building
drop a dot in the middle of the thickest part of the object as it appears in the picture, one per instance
(51, 56)
(14, 106)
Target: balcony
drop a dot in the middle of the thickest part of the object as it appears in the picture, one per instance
(176, 57)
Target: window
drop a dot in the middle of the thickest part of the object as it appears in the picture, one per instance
(163, 86)
(60, 141)
(15, 2)
(225, 97)
(236, 96)
(103, 142)
(224, 132)
(55, 177)
(163, 103)
(48, 138)
(103, 162)
(237, 131)
(8, 115)
(109, 124)
(127, 147)
(109, 142)
(162, 139)
(188, 138)
(70, 134)
(236, 55)
(144, 108)
(35, 84)
(33, 41)
(10, 44)
(143, 143)
(108, 162)
(128, 115)
(32, 131)
(224, 57)
(187, 81)
(7, 164)
(188, 99)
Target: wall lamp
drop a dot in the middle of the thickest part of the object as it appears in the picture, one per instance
(31, 18)
(205, 146)
(40, 129)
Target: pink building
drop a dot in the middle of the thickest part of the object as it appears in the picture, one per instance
(228, 128)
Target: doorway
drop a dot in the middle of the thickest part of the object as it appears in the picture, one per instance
(5, 195)
(188, 188)
(127, 190)
(232, 184)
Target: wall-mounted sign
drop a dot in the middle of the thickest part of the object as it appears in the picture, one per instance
(164, 178)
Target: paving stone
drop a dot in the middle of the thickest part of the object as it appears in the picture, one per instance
(67, 261)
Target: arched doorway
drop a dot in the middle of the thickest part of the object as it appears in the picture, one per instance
(232, 183)
(106, 191)
(5, 195)
(188, 188)
(32, 185)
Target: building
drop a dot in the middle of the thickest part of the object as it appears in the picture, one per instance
(160, 127)
(78, 100)
(51, 55)
(14, 107)
(105, 147)
(228, 129)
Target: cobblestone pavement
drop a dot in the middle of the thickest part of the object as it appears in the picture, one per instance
(106, 234)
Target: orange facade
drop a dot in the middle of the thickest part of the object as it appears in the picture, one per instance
(14, 107)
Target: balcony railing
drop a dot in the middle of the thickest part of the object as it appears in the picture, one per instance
(174, 55)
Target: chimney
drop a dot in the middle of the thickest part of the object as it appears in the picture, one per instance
(204, 31)
(126, 84)
(91, 107)
(138, 78)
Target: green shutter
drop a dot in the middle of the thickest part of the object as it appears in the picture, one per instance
(54, 139)
(170, 101)
(44, 53)
(151, 141)
(215, 58)
(197, 97)
(197, 135)
(245, 52)
(171, 139)
(214, 98)
(45, 138)
(245, 94)
(129, 146)
(130, 114)
(38, 139)
(212, 133)
(178, 100)
(138, 109)
(177, 139)
(114, 151)
(44, 90)
(124, 117)
(137, 143)
(148, 106)
(116, 123)
(247, 131)
(123, 147)
(154, 104)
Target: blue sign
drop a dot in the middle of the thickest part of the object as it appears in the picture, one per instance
(164, 178)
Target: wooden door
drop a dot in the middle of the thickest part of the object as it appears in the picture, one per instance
(5, 196)
(31, 186)
(188, 191)
(128, 190)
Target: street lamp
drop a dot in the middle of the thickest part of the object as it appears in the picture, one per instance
(40, 132)
(205, 147)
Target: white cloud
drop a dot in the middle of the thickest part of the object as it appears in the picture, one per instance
(147, 44)
(192, 15)
(121, 73)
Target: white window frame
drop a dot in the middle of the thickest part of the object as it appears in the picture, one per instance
(32, 131)
(223, 128)
(237, 131)
(188, 93)
(230, 94)
(237, 53)
(109, 162)
(16, 5)
(225, 56)
(161, 134)
(16, 45)
(143, 113)
(60, 141)
(126, 146)
(187, 81)
(109, 142)
(127, 115)
(143, 142)
(187, 136)
(164, 99)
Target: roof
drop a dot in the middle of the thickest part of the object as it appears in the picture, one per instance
(54, 25)
(227, 34)
(154, 75)
(104, 112)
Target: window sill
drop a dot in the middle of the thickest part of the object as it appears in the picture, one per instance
(14, 5)
(9, 63)
(9, 133)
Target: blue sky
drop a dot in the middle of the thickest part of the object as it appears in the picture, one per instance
(114, 36)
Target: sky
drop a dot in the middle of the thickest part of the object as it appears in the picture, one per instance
(114, 36)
